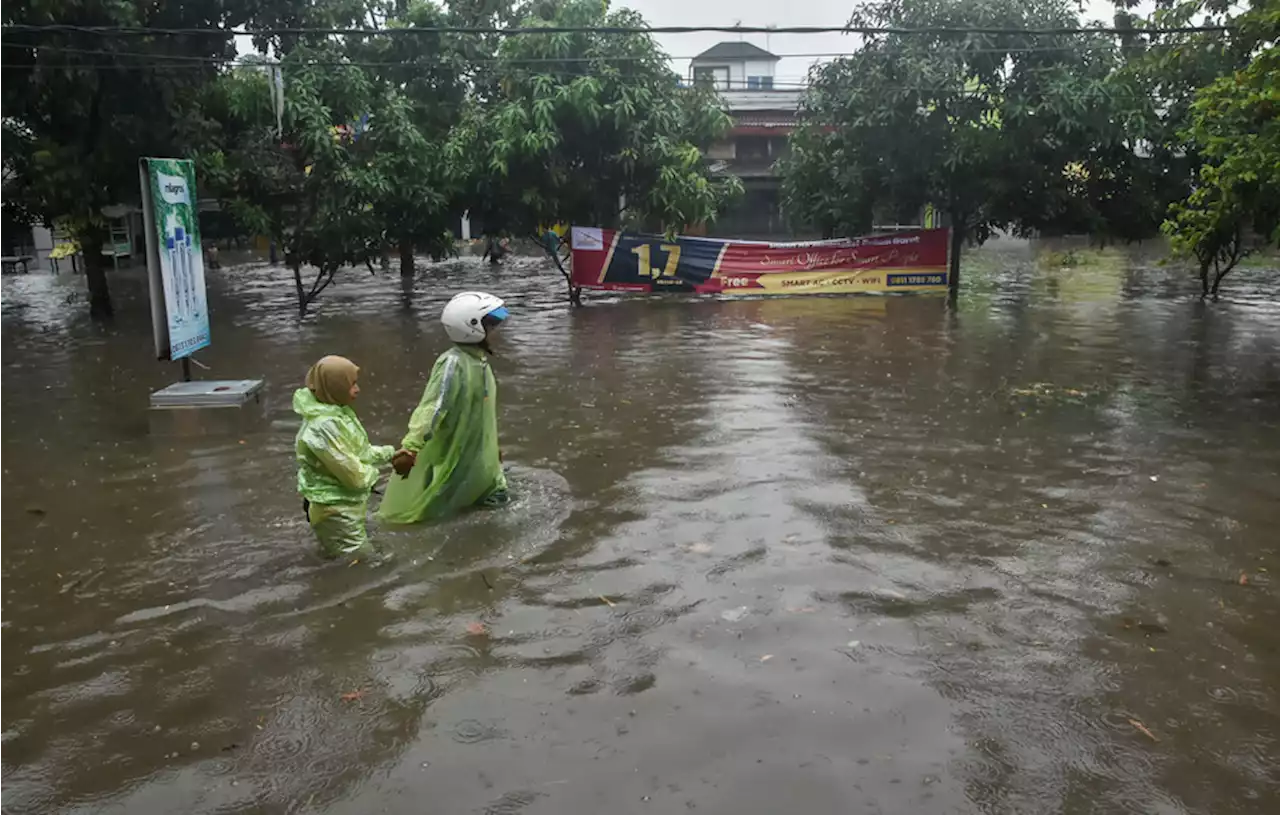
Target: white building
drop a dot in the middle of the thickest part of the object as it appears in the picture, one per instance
(763, 118)
(734, 66)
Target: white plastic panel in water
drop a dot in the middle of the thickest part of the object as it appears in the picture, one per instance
(207, 393)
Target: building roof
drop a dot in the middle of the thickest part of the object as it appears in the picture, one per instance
(735, 50)
(765, 119)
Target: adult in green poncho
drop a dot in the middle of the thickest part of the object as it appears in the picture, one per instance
(337, 466)
(449, 459)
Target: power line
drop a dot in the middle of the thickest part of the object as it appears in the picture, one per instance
(1091, 93)
(1079, 94)
(167, 66)
(779, 83)
(142, 31)
(243, 61)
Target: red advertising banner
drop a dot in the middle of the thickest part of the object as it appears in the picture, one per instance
(623, 261)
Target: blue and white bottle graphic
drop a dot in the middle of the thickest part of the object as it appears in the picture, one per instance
(177, 243)
(173, 296)
(182, 272)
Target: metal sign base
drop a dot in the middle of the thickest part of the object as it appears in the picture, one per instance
(207, 407)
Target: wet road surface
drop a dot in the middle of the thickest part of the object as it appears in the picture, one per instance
(848, 555)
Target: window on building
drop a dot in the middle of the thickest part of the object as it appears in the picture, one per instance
(711, 77)
(760, 83)
(753, 148)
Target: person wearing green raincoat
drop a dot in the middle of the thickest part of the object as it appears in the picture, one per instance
(337, 466)
(449, 458)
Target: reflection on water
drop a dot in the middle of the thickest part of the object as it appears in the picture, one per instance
(860, 554)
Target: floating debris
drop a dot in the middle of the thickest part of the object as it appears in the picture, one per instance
(1142, 728)
(1048, 392)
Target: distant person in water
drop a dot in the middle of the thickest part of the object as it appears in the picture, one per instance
(337, 466)
(449, 459)
(495, 249)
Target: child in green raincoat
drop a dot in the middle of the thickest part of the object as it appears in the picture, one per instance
(337, 466)
(449, 458)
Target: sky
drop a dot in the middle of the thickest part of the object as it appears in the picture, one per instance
(775, 12)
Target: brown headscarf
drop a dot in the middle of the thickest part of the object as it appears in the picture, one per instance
(331, 379)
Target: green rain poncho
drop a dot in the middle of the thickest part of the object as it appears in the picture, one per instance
(337, 468)
(454, 432)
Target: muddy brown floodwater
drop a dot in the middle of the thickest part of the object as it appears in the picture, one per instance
(820, 555)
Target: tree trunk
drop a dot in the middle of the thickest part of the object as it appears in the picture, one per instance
(95, 272)
(953, 271)
(1217, 280)
(1204, 279)
(407, 268)
(302, 294)
(553, 251)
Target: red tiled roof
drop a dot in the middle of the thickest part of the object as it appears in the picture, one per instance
(765, 118)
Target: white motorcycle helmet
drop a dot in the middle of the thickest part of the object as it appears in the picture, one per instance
(463, 315)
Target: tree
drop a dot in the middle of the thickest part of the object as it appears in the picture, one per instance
(16, 164)
(359, 162)
(81, 108)
(998, 130)
(1235, 125)
(589, 128)
(427, 75)
(1209, 226)
(1159, 74)
(315, 187)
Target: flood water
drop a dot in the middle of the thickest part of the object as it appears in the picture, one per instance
(828, 555)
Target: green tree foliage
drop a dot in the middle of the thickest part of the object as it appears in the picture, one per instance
(1234, 124)
(81, 109)
(425, 77)
(317, 187)
(998, 130)
(361, 163)
(538, 130)
(268, 17)
(337, 198)
(16, 154)
(1172, 66)
(1154, 165)
(589, 128)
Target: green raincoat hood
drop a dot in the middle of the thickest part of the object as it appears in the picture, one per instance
(306, 405)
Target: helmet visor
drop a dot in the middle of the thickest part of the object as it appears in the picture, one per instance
(500, 313)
